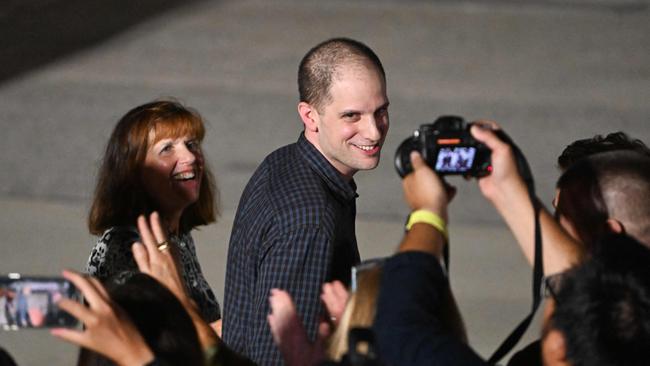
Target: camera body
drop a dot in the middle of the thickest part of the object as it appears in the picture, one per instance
(448, 147)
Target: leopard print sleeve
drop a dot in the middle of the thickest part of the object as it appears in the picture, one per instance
(112, 253)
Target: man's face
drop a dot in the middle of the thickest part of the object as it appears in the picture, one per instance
(351, 129)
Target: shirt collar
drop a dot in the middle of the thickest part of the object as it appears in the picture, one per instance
(319, 164)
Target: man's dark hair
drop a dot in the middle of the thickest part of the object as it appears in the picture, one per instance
(603, 306)
(580, 149)
(614, 184)
(319, 66)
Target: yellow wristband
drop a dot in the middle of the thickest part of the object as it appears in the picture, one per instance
(428, 217)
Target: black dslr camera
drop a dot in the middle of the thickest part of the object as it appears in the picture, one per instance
(448, 147)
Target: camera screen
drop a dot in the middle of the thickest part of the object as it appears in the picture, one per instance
(457, 159)
(31, 303)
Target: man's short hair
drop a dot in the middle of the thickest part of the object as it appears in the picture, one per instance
(320, 65)
(580, 149)
(602, 306)
(614, 184)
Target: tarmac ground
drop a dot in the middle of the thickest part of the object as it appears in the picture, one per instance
(549, 71)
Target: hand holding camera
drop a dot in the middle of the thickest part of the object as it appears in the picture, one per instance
(505, 181)
(423, 189)
(448, 147)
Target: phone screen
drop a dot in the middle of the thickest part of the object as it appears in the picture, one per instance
(30, 302)
(458, 159)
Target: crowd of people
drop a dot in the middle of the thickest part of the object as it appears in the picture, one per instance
(296, 292)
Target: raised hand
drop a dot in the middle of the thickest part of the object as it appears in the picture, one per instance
(108, 329)
(335, 297)
(153, 256)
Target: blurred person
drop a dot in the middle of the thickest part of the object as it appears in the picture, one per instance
(603, 193)
(611, 142)
(22, 307)
(157, 261)
(294, 227)
(158, 316)
(598, 195)
(600, 318)
(154, 161)
(6, 359)
(4, 318)
(9, 307)
(108, 329)
(358, 311)
(111, 332)
(599, 312)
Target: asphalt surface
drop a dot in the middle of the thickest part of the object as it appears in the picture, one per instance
(549, 71)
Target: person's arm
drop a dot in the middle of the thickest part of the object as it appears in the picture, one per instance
(108, 329)
(297, 262)
(506, 190)
(161, 265)
(424, 190)
(414, 298)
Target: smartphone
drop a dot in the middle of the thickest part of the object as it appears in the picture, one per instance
(30, 302)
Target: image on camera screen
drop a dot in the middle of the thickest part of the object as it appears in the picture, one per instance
(32, 304)
(455, 159)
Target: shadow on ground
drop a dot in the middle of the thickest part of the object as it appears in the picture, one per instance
(35, 33)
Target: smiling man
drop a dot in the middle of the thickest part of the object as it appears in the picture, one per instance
(294, 227)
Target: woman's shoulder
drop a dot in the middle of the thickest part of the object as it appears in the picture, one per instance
(112, 252)
(119, 234)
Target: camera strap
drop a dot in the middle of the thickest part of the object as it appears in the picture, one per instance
(538, 265)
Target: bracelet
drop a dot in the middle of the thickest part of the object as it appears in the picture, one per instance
(428, 217)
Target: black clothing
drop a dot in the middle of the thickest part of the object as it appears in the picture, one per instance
(294, 230)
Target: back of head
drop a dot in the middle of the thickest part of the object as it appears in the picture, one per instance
(580, 149)
(159, 316)
(611, 185)
(359, 311)
(319, 67)
(602, 307)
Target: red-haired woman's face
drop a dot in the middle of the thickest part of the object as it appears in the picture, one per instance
(172, 172)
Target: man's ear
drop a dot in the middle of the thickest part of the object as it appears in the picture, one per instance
(554, 348)
(309, 116)
(615, 226)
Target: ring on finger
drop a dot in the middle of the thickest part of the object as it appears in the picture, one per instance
(163, 246)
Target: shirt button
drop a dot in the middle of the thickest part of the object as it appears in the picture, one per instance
(194, 283)
(182, 244)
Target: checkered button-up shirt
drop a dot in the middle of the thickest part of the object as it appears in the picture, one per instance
(294, 230)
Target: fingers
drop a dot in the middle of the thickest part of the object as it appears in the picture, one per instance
(339, 289)
(416, 160)
(99, 287)
(77, 310)
(487, 135)
(158, 232)
(94, 296)
(146, 235)
(71, 335)
(141, 257)
(324, 331)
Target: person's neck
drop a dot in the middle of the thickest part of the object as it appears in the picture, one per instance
(313, 139)
(171, 222)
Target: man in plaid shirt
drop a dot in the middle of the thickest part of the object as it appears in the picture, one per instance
(294, 227)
